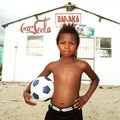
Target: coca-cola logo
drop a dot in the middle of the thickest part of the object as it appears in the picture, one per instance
(39, 26)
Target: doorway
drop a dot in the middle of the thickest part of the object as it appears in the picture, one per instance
(86, 52)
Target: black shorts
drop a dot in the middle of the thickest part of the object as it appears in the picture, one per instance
(52, 114)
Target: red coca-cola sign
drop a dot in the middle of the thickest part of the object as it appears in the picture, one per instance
(39, 26)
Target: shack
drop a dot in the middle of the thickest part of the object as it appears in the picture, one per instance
(30, 44)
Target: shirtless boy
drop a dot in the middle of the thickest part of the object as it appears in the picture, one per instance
(66, 103)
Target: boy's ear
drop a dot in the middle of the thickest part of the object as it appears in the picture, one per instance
(60, 55)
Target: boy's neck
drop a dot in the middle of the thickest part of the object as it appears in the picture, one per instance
(67, 60)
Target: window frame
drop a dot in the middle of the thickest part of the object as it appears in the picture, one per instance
(34, 45)
(104, 50)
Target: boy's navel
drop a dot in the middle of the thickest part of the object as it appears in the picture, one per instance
(61, 103)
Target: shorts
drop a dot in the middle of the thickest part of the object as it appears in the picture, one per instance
(74, 114)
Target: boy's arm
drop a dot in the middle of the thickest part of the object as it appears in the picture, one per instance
(27, 96)
(94, 83)
(26, 93)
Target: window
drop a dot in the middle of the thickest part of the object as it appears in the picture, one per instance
(103, 47)
(34, 46)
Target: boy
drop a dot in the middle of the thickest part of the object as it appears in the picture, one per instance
(66, 104)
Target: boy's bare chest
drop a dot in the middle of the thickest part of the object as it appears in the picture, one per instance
(67, 70)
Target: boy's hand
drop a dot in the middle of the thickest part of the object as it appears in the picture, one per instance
(27, 98)
(80, 102)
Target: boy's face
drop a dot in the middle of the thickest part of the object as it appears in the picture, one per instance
(67, 45)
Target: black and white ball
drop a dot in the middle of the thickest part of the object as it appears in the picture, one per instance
(42, 88)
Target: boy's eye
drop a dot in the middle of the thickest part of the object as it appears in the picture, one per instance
(72, 43)
(62, 42)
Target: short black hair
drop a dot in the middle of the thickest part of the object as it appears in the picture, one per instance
(69, 28)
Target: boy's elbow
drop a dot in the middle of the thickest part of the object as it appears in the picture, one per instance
(97, 80)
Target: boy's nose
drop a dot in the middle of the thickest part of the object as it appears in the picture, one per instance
(67, 46)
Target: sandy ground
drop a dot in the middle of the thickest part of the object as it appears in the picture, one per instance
(103, 105)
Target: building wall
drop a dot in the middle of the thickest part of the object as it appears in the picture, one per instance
(19, 67)
(108, 68)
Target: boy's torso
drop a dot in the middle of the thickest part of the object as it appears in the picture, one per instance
(67, 81)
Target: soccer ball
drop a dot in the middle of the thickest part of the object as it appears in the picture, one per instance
(42, 88)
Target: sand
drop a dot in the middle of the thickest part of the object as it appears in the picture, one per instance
(103, 105)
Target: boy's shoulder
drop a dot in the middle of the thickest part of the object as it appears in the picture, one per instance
(82, 63)
(52, 63)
